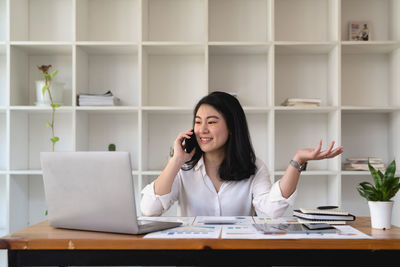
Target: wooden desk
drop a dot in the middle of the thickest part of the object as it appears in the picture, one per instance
(43, 245)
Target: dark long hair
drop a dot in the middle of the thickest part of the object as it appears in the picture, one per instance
(239, 162)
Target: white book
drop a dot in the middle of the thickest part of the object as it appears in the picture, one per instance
(359, 167)
(329, 217)
(301, 101)
(300, 220)
(302, 104)
(371, 159)
(337, 211)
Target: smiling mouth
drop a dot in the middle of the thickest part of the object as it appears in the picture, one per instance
(205, 140)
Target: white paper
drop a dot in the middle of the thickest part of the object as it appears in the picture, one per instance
(250, 232)
(349, 232)
(240, 232)
(183, 220)
(259, 220)
(215, 220)
(194, 231)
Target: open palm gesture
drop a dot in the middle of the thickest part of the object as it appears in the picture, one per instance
(307, 154)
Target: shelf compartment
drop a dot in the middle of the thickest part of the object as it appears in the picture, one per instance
(244, 70)
(3, 21)
(306, 20)
(371, 135)
(96, 129)
(313, 191)
(27, 201)
(24, 71)
(313, 71)
(369, 75)
(3, 141)
(174, 20)
(3, 75)
(309, 129)
(3, 204)
(29, 136)
(260, 128)
(108, 20)
(381, 14)
(100, 68)
(159, 133)
(351, 199)
(240, 20)
(41, 20)
(173, 75)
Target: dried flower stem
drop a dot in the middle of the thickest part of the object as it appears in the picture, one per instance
(46, 88)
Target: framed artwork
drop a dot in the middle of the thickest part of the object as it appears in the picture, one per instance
(360, 31)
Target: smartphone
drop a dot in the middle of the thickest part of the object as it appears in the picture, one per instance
(190, 143)
(318, 226)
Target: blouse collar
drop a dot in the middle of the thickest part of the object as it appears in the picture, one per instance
(200, 165)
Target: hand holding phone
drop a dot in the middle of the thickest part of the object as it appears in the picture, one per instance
(190, 143)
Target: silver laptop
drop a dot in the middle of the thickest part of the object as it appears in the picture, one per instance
(93, 191)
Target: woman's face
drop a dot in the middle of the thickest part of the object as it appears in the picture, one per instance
(210, 128)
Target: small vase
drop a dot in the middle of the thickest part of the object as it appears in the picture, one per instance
(381, 214)
(56, 89)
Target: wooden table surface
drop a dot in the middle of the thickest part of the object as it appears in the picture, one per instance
(43, 237)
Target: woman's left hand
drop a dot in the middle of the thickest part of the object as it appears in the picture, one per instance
(307, 154)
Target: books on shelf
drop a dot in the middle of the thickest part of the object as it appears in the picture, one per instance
(331, 216)
(302, 102)
(106, 99)
(361, 164)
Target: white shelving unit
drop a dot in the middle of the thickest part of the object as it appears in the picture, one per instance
(161, 56)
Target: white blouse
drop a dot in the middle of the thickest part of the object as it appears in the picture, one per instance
(197, 196)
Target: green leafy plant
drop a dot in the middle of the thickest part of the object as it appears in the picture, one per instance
(48, 78)
(111, 147)
(386, 185)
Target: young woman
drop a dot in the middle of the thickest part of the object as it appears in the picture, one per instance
(222, 176)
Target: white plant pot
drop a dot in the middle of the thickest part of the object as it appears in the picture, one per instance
(56, 89)
(381, 214)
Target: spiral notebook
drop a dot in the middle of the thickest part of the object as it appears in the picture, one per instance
(336, 211)
(331, 216)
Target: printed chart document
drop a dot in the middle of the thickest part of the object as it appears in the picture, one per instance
(250, 232)
(183, 220)
(216, 220)
(275, 220)
(240, 232)
(241, 227)
(189, 231)
(348, 232)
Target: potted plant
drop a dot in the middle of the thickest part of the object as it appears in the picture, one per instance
(379, 195)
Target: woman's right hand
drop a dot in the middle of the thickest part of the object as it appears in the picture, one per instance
(180, 155)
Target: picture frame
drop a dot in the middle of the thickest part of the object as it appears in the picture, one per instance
(360, 31)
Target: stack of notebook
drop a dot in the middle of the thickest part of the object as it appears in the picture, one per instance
(302, 102)
(361, 164)
(106, 99)
(331, 216)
